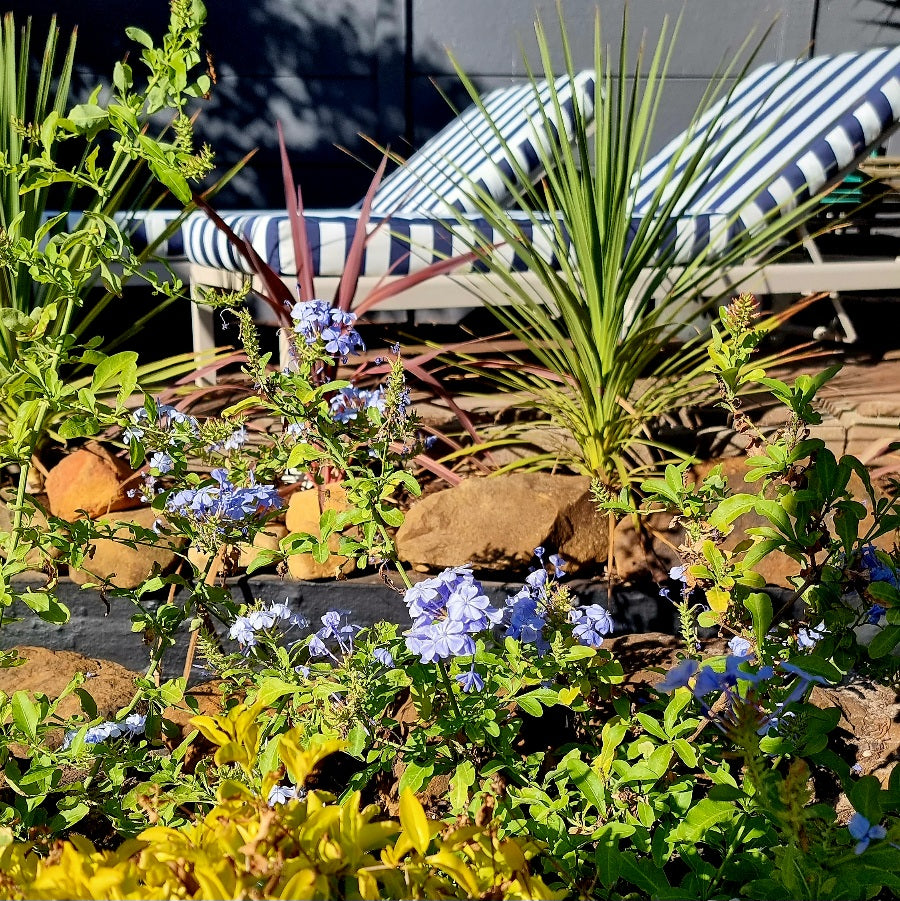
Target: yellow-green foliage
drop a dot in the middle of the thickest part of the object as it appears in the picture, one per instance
(310, 848)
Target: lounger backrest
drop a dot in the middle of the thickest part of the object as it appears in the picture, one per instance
(785, 133)
(441, 175)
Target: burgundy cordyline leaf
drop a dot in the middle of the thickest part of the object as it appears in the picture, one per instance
(294, 201)
(350, 276)
(279, 293)
(391, 289)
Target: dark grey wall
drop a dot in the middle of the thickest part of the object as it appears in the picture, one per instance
(332, 69)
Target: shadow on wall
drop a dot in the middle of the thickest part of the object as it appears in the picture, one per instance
(330, 70)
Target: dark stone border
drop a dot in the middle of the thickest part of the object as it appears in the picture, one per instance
(94, 632)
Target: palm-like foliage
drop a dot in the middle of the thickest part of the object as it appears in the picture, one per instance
(604, 312)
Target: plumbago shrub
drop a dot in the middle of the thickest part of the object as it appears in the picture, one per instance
(540, 770)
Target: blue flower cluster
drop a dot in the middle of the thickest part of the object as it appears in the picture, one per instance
(526, 611)
(447, 611)
(224, 502)
(316, 320)
(350, 401)
(132, 726)
(167, 419)
(874, 566)
(591, 624)
(245, 629)
(337, 629)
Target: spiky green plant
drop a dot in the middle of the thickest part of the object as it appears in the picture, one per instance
(605, 324)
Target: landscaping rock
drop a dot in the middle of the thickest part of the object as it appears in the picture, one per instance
(776, 567)
(302, 515)
(127, 567)
(49, 672)
(247, 553)
(642, 554)
(90, 479)
(869, 723)
(496, 523)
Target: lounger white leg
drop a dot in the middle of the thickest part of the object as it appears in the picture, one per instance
(850, 333)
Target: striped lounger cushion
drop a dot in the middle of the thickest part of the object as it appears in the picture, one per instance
(788, 131)
(469, 151)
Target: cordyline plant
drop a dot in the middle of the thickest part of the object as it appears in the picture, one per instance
(280, 298)
(605, 314)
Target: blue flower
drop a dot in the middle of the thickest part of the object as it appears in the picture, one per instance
(162, 462)
(871, 562)
(739, 646)
(591, 624)
(809, 638)
(558, 566)
(863, 831)
(676, 573)
(244, 632)
(281, 794)
(440, 640)
(876, 611)
(350, 401)
(470, 680)
(678, 676)
(539, 552)
(383, 656)
(537, 580)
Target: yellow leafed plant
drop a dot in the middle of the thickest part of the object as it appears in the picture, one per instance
(314, 847)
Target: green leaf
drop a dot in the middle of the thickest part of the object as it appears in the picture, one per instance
(760, 606)
(78, 426)
(607, 856)
(686, 752)
(272, 689)
(587, 782)
(865, 796)
(46, 606)
(415, 776)
(462, 781)
(730, 509)
(139, 36)
(87, 117)
(884, 642)
(25, 714)
(705, 814)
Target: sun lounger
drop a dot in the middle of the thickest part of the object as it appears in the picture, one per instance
(790, 131)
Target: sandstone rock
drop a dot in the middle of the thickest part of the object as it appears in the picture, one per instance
(302, 515)
(127, 567)
(49, 672)
(247, 553)
(776, 567)
(90, 479)
(870, 720)
(496, 523)
(642, 554)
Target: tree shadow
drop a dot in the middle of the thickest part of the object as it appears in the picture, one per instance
(329, 72)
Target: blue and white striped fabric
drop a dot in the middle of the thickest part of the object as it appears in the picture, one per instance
(786, 132)
(404, 244)
(474, 149)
